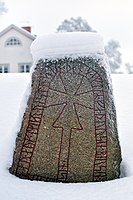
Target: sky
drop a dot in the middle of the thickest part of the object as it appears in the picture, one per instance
(113, 19)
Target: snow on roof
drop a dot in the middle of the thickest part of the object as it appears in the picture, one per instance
(72, 44)
(21, 30)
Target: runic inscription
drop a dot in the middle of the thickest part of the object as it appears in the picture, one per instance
(34, 122)
(100, 162)
(69, 89)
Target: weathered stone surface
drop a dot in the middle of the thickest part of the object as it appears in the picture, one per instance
(69, 130)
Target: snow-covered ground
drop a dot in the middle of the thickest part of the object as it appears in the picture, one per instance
(12, 90)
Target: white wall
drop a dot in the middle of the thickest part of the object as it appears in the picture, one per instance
(13, 55)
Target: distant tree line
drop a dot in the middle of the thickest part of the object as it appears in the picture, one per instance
(112, 49)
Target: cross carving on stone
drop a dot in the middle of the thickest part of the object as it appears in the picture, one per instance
(70, 94)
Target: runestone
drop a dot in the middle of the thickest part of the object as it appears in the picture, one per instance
(69, 129)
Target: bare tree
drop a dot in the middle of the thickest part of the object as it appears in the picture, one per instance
(74, 25)
(114, 55)
(2, 7)
(129, 68)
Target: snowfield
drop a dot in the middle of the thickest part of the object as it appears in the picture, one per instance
(12, 92)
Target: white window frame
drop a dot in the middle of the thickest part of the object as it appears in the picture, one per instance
(25, 66)
(4, 68)
(13, 41)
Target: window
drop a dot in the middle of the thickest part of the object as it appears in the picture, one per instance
(14, 41)
(4, 68)
(25, 67)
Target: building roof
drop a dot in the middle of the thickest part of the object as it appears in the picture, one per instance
(21, 30)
